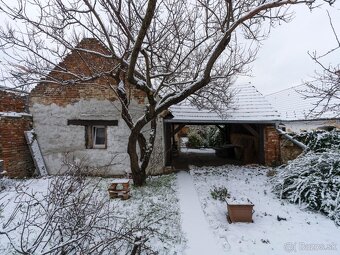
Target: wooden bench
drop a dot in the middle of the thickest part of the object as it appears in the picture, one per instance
(119, 188)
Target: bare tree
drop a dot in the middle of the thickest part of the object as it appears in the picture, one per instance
(169, 50)
(325, 88)
(72, 217)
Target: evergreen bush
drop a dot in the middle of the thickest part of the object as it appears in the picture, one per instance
(195, 140)
(319, 140)
(314, 180)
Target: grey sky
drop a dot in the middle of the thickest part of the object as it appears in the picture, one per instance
(283, 60)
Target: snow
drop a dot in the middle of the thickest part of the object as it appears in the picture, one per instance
(121, 87)
(248, 105)
(155, 204)
(118, 181)
(239, 200)
(198, 151)
(198, 233)
(195, 223)
(292, 104)
(14, 114)
(313, 180)
(279, 227)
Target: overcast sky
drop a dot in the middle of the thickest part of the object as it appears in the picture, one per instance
(283, 61)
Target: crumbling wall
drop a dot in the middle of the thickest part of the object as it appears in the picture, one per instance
(53, 104)
(17, 160)
(278, 150)
(12, 102)
(289, 150)
(272, 156)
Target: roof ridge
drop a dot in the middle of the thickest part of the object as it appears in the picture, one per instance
(295, 86)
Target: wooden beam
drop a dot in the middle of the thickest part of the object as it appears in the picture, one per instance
(167, 143)
(177, 129)
(220, 128)
(251, 130)
(78, 122)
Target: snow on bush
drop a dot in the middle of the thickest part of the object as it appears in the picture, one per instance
(314, 180)
(320, 140)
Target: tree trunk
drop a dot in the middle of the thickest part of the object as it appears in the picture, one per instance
(139, 164)
(137, 175)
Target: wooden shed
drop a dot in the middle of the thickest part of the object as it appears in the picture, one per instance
(249, 123)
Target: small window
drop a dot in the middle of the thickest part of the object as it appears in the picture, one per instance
(99, 136)
(96, 137)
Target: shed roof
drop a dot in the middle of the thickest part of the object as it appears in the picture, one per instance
(293, 106)
(248, 106)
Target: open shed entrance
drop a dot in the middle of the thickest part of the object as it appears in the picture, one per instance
(240, 143)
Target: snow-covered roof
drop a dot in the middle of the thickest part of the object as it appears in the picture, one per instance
(292, 105)
(248, 106)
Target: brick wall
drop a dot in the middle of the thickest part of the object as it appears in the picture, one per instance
(67, 89)
(13, 147)
(271, 146)
(11, 102)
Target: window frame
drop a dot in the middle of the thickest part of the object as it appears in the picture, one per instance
(90, 139)
(94, 134)
(88, 124)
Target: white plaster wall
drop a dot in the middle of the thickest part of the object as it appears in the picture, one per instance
(298, 126)
(58, 140)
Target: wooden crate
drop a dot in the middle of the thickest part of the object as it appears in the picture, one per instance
(240, 212)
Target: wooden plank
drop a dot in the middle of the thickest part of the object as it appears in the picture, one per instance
(251, 130)
(38, 159)
(92, 122)
(178, 128)
(167, 144)
(261, 156)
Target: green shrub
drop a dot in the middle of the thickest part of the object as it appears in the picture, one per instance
(194, 140)
(219, 193)
(214, 137)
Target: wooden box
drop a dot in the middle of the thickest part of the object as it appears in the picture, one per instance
(240, 212)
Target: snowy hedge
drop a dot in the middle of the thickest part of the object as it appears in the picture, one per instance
(320, 140)
(314, 180)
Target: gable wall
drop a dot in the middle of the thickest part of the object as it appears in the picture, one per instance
(52, 104)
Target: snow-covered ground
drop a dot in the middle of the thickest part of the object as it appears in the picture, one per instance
(300, 231)
(156, 203)
(195, 223)
(200, 238)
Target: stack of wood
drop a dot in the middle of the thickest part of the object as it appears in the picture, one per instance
(120, 188)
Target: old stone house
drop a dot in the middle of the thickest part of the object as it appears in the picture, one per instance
(14, 120)
(82, 122)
